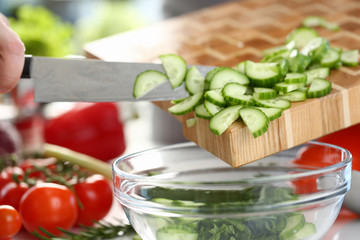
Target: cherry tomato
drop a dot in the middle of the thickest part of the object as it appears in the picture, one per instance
(12, 192)
(10, 222)
(6, 175)
(96, 196)
(48, 205)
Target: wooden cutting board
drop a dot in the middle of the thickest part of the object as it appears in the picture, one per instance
(226, 34)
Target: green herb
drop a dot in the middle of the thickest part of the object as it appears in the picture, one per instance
(261, 227)
(100, 231)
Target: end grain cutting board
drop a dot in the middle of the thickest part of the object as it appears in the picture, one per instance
(226, 34)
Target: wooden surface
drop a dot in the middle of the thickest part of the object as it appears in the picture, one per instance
(226, 34)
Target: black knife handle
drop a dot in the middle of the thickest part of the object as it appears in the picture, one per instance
(26, 70)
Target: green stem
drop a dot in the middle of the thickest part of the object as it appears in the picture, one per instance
(85, 161)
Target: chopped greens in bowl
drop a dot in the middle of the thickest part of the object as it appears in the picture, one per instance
(184, 192)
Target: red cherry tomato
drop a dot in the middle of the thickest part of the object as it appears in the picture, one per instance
(95, 194)
(10, 222)
(12, 192)
(6, 175)
(48, 205)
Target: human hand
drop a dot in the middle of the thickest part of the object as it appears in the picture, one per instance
(12, 57)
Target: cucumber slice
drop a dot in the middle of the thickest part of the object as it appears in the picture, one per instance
(308, 230)
(317, 73)
(175, 101)
(223, 119)
(194, 81)
(292, 78)
(277, 51)
(319, 87)
(273, 103)
(317, 21)
(227, 75)
(350, 58)
(284, 65)
(287, 87)
(255, 120)
(246, 100)
(293, 224)
(211, 108)
(262, 74)
(201, 112)
(176, 232)
(294, 96)
(330, 58)
(187, 105)
(234, 94)
(215, 96)
(146, 81)
(264, 93)
(302, 36)
(241, 67)
(210, 75)
(175, 68)
(316, 48)
(271, 113)
(191, 122)
(298, 62)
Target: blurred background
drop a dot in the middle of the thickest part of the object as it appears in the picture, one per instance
(60, 28)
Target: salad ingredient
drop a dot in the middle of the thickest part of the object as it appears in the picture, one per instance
(271, 113)
(87, 162)
(187, 105)
(262, 74)
(96, 197)
(288, 225)
(10, 142)
(301, 36)
(146, 81)
(226, 75)
(350, 58)
(255, 119)
(93, 129)
(175, 68)
(12, 192)
(194, 81)
(317, 21)
(223, 119)
(319, 87)
(48, 205)
(101, 230)
(10, 222)
(6, 175)
(215, 96)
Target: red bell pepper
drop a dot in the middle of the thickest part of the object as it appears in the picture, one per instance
(94, 129)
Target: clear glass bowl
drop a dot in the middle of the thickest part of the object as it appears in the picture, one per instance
(184, 192)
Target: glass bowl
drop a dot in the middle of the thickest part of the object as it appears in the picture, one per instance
(184, 192)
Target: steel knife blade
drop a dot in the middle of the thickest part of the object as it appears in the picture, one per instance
(90, 80)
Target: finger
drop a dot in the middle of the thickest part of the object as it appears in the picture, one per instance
(11, 58)
(4, 19)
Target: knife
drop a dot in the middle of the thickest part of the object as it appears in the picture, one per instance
(90, 80)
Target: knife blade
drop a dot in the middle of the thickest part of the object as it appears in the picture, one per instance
(90, 80)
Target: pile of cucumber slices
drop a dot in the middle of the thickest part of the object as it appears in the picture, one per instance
(255, 92)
